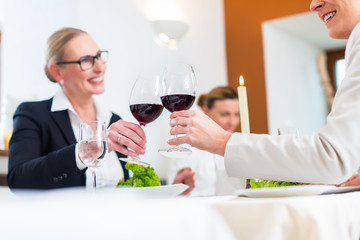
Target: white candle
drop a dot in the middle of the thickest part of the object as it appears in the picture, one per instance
(243, 107)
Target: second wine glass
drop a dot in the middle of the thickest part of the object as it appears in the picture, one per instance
(92, 145)
(178, 93)
(145, 104)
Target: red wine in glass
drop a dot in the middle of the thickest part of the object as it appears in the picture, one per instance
(178, 93)
(145, 113)
(177, 102)
(145, 105)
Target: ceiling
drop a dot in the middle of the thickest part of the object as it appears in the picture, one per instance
(309, 27)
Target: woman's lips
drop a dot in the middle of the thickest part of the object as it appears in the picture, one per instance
(328, 16)
(96, 79)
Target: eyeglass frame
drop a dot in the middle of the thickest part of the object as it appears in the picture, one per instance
(97, 56)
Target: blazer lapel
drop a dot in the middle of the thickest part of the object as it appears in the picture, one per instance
(63, 122)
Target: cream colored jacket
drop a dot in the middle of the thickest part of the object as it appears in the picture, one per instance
(330, 156)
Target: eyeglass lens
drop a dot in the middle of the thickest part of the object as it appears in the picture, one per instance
(88, 62)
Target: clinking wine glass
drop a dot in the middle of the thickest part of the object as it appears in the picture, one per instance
(92, 145)
(145, 105)
(178, 93)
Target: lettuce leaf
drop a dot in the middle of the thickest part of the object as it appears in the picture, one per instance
(258, 183)
(142, 176)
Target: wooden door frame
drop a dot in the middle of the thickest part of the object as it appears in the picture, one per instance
(332, 57)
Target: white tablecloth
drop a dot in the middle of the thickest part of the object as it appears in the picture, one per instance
(108, 215)
(309, 217)
(76, 214)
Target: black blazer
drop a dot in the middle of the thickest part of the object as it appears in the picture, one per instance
(42, 149)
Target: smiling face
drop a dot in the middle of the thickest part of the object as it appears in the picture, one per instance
(78, 83)
(339, 16)
(225, 112)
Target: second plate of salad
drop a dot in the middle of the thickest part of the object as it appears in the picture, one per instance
(285, 191)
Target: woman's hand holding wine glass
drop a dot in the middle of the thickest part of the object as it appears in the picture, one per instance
(131, 135)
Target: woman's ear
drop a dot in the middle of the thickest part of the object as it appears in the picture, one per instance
(205, 110)
(55, 72)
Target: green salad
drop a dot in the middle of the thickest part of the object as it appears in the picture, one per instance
(142, 177)
(257, 183)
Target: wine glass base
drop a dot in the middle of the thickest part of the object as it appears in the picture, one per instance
(178, 152)
(136, 161)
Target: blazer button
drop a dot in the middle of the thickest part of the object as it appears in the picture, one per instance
(55, 179)
(60, 178)
(65, 175)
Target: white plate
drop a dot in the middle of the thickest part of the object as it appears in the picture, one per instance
(342, 190)
(286, 191)
(165, 191)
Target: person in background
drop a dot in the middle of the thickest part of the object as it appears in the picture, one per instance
(43, 146)
(329, 156)
(221, 105)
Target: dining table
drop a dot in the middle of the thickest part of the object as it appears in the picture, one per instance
(118, 214)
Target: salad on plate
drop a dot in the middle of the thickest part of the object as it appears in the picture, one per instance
(142, 177)
(258, 183)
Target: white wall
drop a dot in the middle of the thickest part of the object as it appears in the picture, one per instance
(295, 95)
(122, 28)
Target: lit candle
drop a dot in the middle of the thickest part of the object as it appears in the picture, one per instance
(243, 107)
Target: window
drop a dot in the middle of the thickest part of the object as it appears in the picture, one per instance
(339, 71)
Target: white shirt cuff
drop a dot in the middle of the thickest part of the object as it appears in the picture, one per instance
(79, 164)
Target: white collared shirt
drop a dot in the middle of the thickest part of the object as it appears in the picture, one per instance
(110, 171)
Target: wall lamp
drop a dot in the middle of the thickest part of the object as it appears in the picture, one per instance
(169, 32)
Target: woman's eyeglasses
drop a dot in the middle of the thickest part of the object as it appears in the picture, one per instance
(87, 62)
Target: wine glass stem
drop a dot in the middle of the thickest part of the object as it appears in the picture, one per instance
(137, 156)
(94, 178)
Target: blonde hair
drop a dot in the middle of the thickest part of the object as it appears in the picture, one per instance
(218, 93)
(55, 46)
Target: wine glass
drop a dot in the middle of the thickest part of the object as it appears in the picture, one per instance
(92, 145)
(145, 104)
(178, 93)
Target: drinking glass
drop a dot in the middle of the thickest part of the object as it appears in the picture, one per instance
(178, 93)
(92, 145)
(145, 105)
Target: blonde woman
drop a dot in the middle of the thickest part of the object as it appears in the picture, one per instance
(43, 145)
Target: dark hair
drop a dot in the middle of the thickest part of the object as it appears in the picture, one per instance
(218, 93)
(55, 46)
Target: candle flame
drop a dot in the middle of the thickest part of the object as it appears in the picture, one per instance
(241, 80)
